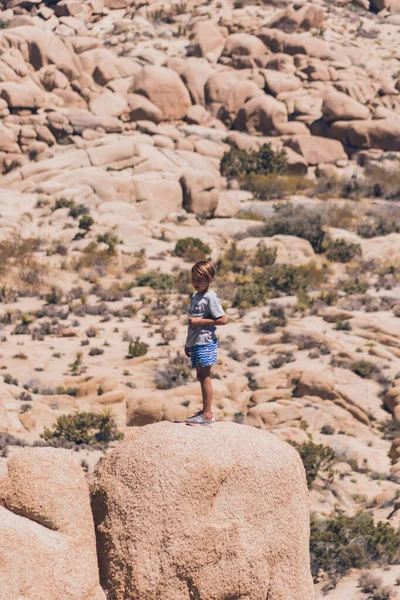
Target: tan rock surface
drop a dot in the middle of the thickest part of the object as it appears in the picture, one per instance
(164, 88)
(48, 545)
(197, 490)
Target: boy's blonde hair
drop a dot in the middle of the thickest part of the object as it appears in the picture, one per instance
(204, 269)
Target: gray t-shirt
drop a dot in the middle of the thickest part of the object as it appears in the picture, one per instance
(203, 306)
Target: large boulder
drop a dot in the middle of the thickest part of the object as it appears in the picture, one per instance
(247, 51)
(48, 546)
(340, 107)
(205, 40)
(200, 192)
(19, 95)
(157, 197)
(41, 48)
(184, 512)
(306, 17)
(108, 104)
(277, 83)
(164, 88)
(382, 133)
(194, 75)
(261, 114)
(316, 149)
(141, 109)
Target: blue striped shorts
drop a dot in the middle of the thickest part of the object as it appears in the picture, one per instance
(204, 356)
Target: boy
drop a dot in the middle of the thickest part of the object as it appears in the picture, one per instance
(205, 314)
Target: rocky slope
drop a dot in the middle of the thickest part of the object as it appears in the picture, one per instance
(114, 118)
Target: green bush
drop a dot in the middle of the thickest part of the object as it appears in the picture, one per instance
(276, 280)
(264, 256)
(173, 374)
(274, 186)
(137, 348)
(86, 222)
(63, 203)
(289, 279)
(380, 221)
(390, 429)
(237, 164)
(55, 296)
(354, 286)
(77, 210)
(316, 458)
(84, 428)
(110, 239)
(341, 251)
(192, 249)
(277, 318)
(297, 221)
(343, 542)
(250, 295)
(156, 280)
(364, 368)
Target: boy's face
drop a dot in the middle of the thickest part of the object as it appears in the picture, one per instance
(199, 283)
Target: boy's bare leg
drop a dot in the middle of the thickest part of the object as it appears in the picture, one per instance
(204, 376)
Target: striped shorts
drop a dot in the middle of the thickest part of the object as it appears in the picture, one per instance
(204, 356)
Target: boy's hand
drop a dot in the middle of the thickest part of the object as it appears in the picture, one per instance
(187, 351)
(195, 322)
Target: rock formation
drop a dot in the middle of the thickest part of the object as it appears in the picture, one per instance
(48, 547)
(202, 513)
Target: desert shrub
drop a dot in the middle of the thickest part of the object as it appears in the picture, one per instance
(77, 365)
(364, 369)
(63, 203)
(277, 318)
(264, 256)
(10, 380)
(84, 428)
(327, 430)
(94, 257)
(274, 186)
(248, 215)
(69, 391)
(192, 249)
(276, 280)
(390, 429)
(354, 286)
(343, 325)
(78, 210)
(234, 260)
(378, 226)
(110, 239)
(380, 221)
(96, 351)
(369, 583)
(237, 164)
(86, 222)
(281, 359)
(341, 216)
(54, 296)
(289, 279)
(298, 221)
(343, 542)
(316, 458)
(175, 373)
(137, 348)
(341, 251)
(156, 280)
(250, 295)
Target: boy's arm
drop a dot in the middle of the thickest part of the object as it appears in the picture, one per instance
(196, 322)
